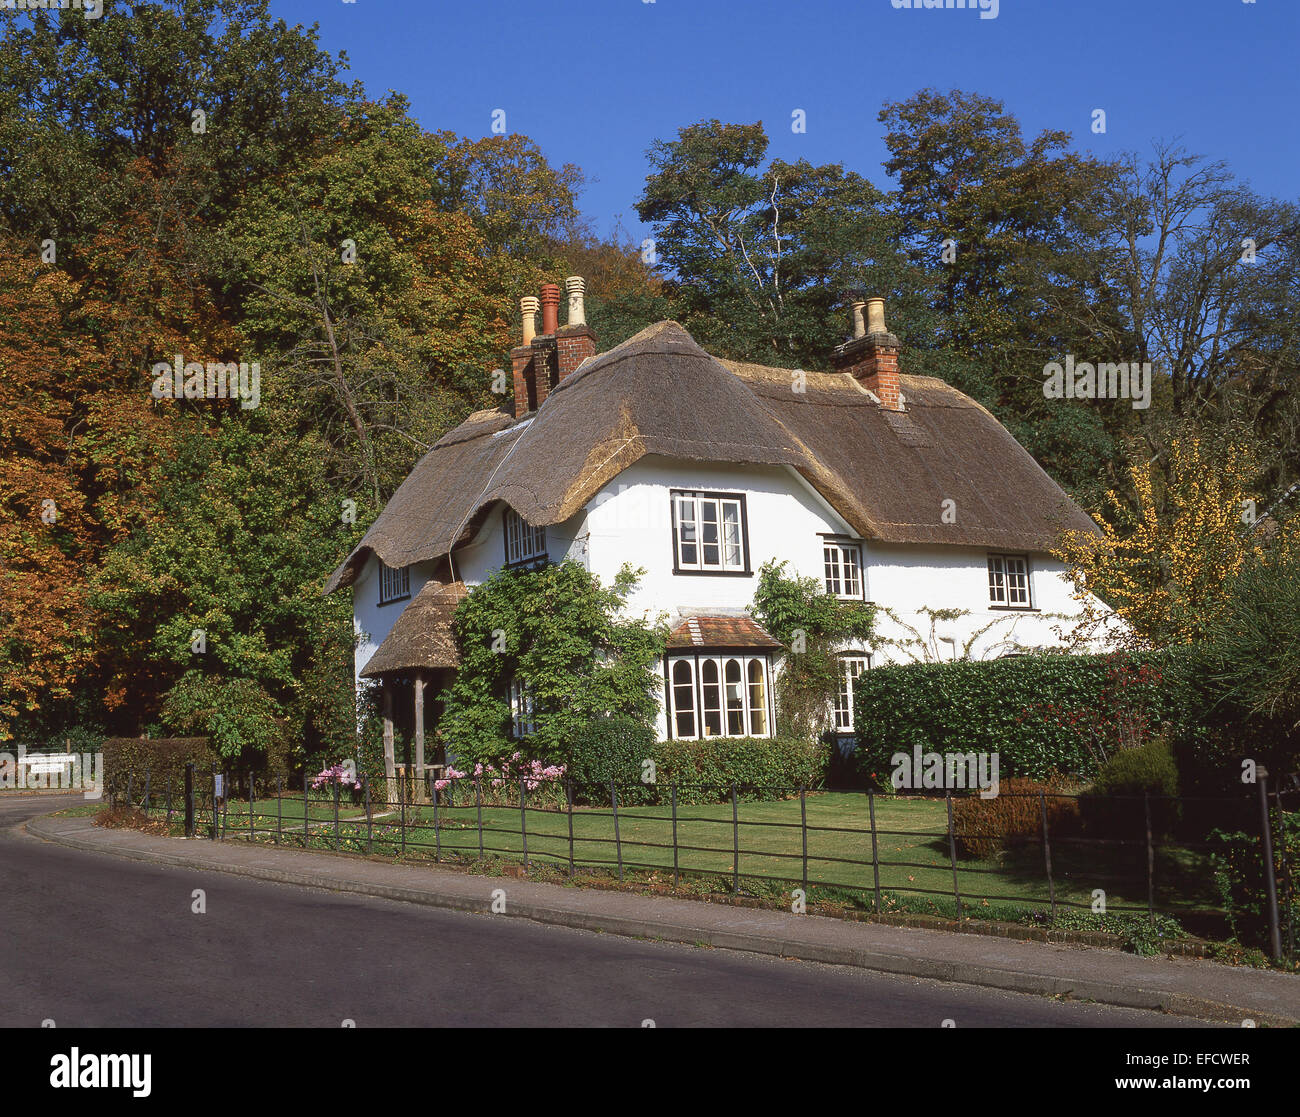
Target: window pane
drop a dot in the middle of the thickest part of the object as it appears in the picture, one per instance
(1017, 581)
(684, 698)
(757, 699)
(732, 557)
(711, 715)
(687, 535)
(997, 580)
(709, 532)
(829, 556)
(735, 700)
(852, 581)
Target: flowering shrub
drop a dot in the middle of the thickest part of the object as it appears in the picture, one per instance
(345, 778)
(542, 783)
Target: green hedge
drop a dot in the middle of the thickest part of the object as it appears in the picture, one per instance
(1033, 711)
(611, 749)
(162, 758)
(1238, 862)
(761, 767)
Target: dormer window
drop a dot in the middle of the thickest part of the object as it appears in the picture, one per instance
(394, 583)
(710, 535)
(523, 541)
(843, 566)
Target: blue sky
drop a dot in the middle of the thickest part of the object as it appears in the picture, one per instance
(594, 82)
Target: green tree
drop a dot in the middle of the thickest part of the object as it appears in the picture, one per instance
(563, 636)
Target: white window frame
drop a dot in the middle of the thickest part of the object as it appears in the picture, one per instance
(1010, 585)
(690, 523)
(853, 665)
(524, 542)
(842, 567)
(523, 711)
(722, 704)
(394, 582)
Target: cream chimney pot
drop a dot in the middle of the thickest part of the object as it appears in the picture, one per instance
(876, 316)
(858, 328)
(528, 309)
(576, 286)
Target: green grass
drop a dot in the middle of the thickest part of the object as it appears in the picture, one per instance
(911, 840)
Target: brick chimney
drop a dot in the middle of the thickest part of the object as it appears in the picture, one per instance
(872, 355)
(575, 341)
(521, 358)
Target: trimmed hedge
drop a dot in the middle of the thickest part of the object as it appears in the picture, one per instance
(161, 757)
(761, 767)
(1033, 711)
(611, 749)
(1014, 817)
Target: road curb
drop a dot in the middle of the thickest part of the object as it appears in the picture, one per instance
(682, 931)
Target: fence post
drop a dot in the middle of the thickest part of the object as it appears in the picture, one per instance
(1151, 860)
(1047, 854)
(875, 859)
(148, 775)
(952, 852)
(279, 808)
(803, 826)
(437, 834)
(478, 803)
(336, 816)
(401, 795)
(169, 798)
(1287, 883)
(130, 777)
(618, 842)
(306, 834)
(216, 819)
(568, 793)
(189, 800)
(370, 834)
(523, 819)
(676, 872)
(1270, 881)
(735, 843)
(252, 830)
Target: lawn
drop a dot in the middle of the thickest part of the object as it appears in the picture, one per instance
(911, 839)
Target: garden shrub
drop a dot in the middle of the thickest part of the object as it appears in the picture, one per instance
(1114, 806)
(610, 748)
(162, 759)
(761, 767)
(986, 827)
(1238, 861)
(1041, 713)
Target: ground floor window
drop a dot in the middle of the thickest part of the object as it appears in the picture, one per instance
(523, 722)
(851, 666)
(719, 696)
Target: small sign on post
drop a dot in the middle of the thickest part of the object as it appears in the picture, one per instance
(218, 787)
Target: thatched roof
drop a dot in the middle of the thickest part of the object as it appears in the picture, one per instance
(886, 473)
(421, 637)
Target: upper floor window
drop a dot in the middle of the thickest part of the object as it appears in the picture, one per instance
(851, 666)
(523, 541)
(1009, 581)
(709, 533)
(523, 716)
(843, 563)
(394, 583)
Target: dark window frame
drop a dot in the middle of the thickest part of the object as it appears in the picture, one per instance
(405, 574)
(707, 494)
(532, 560)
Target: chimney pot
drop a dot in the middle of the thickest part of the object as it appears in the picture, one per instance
(576, 286)
(859, 329)
(550, 308)
(876, 316)
(528, 311)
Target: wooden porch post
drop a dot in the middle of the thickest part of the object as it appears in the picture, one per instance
(390, 763)
(419, 737)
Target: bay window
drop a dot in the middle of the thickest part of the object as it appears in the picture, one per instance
(719, 696)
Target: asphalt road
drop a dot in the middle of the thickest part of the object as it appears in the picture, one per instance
(96, 941)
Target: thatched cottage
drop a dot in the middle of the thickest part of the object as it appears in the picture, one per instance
(891, 488)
